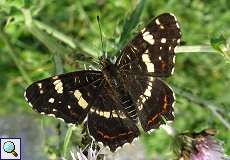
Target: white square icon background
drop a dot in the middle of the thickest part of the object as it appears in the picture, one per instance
(9, 156)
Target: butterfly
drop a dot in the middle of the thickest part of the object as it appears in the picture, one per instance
(114, 99)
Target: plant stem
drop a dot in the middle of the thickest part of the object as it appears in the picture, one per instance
(50, 42)
(67, 141)
(195, 48)
(13, 54)
(55, 33)
(59, 69)
(212, 107)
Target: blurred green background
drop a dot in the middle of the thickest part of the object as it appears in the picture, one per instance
(41, 38)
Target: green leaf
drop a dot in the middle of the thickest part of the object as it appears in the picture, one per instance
(221, 44)
(15, 3)
(218, 43)
(130, 23)
(67, 141)
(27, 3)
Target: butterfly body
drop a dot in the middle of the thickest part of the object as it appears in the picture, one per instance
(119, 95)
(117, 89)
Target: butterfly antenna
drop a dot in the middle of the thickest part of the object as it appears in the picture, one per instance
(102, 43)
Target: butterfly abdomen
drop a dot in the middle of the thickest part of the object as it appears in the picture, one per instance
(117, 88)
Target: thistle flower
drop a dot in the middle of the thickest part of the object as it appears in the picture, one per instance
(201, 146)
(207, 148)
(80, 155)
(92, 154)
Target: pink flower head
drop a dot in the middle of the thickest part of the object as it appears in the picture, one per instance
(201, 146)
(207, 148)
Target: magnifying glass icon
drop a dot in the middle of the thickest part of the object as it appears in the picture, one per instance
(9, 147)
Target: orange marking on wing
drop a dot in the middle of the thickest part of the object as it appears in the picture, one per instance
(163, 65)
(153, 119)
(113, 137)
(73, 113)
(165, 103)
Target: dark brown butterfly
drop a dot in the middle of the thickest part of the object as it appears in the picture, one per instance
(114, 98)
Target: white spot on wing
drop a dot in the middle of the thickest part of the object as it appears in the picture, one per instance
(148, 37)
(173, 104)
(178, 41)
(174, 59)
(173, 16)
(147, 93)
(151, 79)
(145, 34)
(177, 25)
(151, 130)
(51, 115)
(40, 85)
(108, 114)
(172, 71)
(143, 30)
(140, 107)
(77, 94)
(147, 61)
(25, 96)
(51, 100)
(118, 148)
(150, 67)
(58, 86)
(170, 48)
(81, 101)
(92, 110)
(163, 40)
(157, 21)
(30, 104)
(55, 77)
(145, 58)
(143, 99)
(105, 114)
(61, 119)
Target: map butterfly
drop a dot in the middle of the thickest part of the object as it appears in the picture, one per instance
(123, 93)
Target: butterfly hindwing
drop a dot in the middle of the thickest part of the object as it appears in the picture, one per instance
(67, 96)
(155, 105)
(151, 52)
(154, 100)
(108, 123)
(113, 132)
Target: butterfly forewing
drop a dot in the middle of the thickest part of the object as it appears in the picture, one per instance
(151, 52)
(66, 96)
